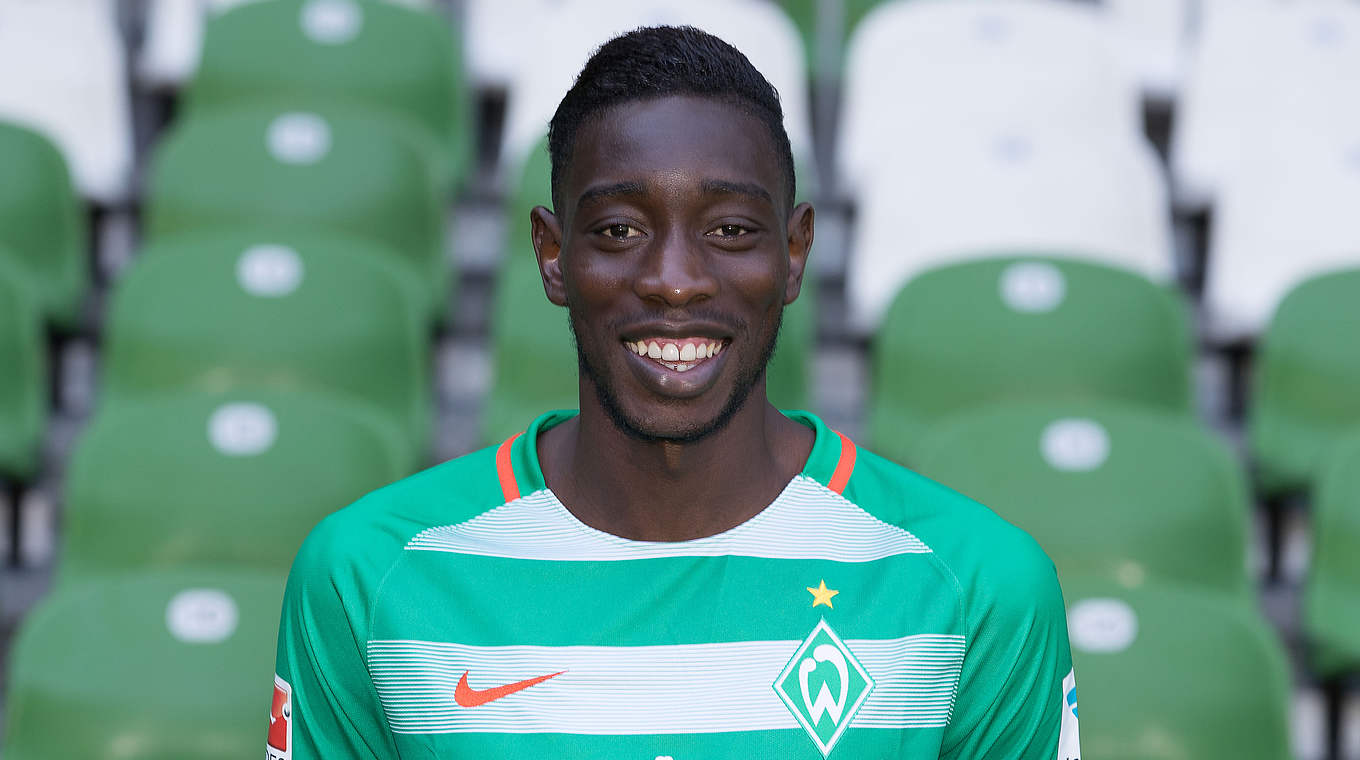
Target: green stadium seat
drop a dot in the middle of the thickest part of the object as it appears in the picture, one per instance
(234, 479)
(333, 169)
(1165, 673)
(1016, 328)
(202, 315)
(172, 666)
(313, 51)
(533, 353)
(23, 375)
(1306, 374)
(1331, 599)
(42, 227)
(1109, 490)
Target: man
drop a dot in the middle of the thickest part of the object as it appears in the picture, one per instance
(680, 570)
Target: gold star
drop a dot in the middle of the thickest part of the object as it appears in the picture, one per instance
(822, 595)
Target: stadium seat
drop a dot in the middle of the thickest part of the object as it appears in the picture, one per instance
(174, 38)
(1282, 217)
(334, 169)
(1165, 672)
(571, 31)
(1331, 600)
(73, 88)
(292, 53)
(171, 666)
(1260, 64)
(1153, 36)
(203, 314)
(228, 479)
(534, 355)
(23, 376)
(1129, 494)
(1306, 374)
(964, 193)
(42, 223)
(1019, 328)
(918, 69)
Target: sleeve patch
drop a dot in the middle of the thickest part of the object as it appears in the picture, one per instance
(280, 743)
(1069, 740)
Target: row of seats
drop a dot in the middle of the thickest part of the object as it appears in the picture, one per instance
(266, 359)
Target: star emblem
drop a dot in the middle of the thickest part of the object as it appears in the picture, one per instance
(822, 595)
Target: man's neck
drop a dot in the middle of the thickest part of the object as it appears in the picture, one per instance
(669, 491)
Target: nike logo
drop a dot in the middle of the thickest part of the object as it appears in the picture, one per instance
(467, 696)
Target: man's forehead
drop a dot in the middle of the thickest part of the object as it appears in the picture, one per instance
(715, 146)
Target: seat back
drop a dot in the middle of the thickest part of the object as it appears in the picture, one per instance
(336, 169)
(23, 375)
(42, 225)
(229, 479)
(1166, 673)
(1016, 328)
(968, 192)
(1331, 598)
(1125, 493)
(172, 666)
(307, 50)
(218, 315)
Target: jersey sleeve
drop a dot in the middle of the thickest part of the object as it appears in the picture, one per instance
(1017, 693)
(325, 705)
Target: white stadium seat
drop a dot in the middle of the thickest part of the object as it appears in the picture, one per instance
(931, 63)
(965, 193)
(1281, 218)
(494, 27)
(1153, 37)
(1259, 63)
(64, 76)
(571, 30)
(174, 38)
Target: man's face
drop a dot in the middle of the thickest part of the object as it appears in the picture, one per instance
(675, 256)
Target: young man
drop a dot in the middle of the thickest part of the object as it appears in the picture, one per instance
(680, 570)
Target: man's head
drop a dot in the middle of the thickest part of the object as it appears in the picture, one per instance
(675, 230)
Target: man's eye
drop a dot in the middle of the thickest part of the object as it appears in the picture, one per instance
(620, 231)
(729, 230)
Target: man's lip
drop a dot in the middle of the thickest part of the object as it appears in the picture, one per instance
(675, 331)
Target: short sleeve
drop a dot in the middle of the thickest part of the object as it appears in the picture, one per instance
(1017, 691)
(325, 705)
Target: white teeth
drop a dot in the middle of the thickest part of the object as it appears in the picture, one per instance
(653, 350)
(670, 353)
(640, 348)
(719, 349)
(688, 353)
(711, 348)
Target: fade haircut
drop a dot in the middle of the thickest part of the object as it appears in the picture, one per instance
(661, 61)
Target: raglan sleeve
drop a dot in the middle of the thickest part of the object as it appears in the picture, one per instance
(1016, 697)
(325, 704)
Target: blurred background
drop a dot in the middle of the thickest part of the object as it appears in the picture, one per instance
(1096, 264)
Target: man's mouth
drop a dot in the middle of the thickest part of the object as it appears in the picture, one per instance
(680, 355)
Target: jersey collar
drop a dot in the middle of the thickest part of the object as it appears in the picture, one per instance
(831, 462)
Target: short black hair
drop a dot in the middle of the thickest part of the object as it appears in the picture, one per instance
(661, 61)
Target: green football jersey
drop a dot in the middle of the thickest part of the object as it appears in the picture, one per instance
(866, 612)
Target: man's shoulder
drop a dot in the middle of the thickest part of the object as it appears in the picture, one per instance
(369, 533)
(987, 556)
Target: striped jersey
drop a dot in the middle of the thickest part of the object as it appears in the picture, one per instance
(866, 612)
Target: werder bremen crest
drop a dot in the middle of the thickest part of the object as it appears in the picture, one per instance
(824, 685)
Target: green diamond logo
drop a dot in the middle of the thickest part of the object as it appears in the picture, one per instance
(824, 685)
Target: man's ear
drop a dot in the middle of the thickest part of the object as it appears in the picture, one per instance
(800, 246)
(547, 234)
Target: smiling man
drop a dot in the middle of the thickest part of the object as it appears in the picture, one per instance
(679, 570)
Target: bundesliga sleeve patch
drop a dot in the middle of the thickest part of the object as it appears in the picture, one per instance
(280, 743)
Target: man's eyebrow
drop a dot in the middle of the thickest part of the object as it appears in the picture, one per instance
(718, 186)
(609, 191)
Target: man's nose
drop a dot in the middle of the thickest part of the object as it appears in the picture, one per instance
(676, 272)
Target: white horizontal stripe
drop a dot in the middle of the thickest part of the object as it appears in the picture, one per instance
(680, 689)
(807, 521)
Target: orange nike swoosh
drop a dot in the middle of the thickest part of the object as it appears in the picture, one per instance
(469, 697)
